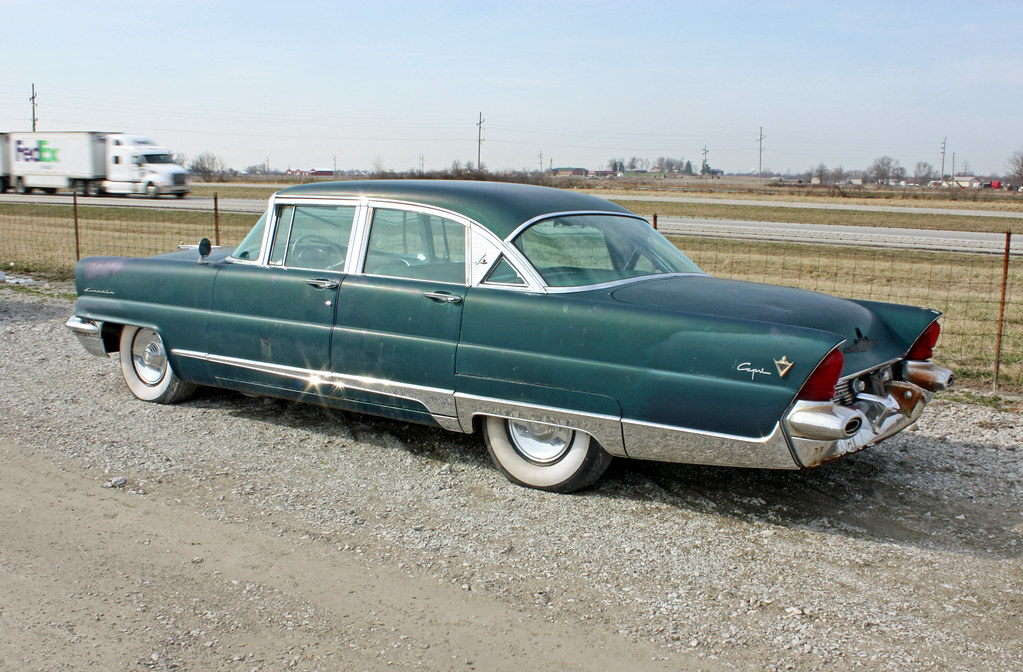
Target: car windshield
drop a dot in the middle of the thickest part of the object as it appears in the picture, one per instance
(579, 250)
(250, 247)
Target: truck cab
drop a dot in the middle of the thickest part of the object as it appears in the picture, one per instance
(136, 165)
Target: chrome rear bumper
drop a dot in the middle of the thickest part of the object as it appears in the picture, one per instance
(823, 431)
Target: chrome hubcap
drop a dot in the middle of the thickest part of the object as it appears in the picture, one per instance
(539, 443)
(148, 356)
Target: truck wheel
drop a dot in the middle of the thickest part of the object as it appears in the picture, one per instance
(81, 187)
(152, 191)
(19, 186)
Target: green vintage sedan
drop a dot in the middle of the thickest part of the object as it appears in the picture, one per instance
(562, 327)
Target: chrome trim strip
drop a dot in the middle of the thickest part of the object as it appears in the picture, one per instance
(438, 402)
(606, 429)
(570, 213)
(653, 441)
(619, 283)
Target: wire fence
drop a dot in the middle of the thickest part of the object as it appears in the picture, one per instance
(980, 294)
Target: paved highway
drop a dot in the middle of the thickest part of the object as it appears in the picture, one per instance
(861, 236)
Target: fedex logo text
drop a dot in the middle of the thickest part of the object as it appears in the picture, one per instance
(41, 153)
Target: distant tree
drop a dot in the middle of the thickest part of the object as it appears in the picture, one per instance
(821, 173)
(1015, 167)
(882, 169)
(838, 175)
(923, 172)
(207, 166)
(688, 170)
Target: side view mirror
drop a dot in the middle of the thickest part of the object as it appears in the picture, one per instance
(205, 247)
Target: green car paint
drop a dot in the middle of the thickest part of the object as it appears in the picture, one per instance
(664, 365)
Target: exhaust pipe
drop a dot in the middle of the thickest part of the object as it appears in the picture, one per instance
(824, 421)
(927, 375)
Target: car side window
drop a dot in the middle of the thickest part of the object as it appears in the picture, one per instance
(319, 237)
(405, 244)
(503, 273)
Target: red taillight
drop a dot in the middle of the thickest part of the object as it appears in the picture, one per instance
(820, 386)
(923, 349)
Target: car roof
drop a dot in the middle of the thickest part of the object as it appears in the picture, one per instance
(500, 206)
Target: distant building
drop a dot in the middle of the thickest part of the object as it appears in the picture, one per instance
(569, 172)
(966, 182)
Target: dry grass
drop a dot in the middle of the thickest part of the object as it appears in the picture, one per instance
(765, 213)
(41, 238)
(967, 288)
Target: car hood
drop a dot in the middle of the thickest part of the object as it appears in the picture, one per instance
(868, 339)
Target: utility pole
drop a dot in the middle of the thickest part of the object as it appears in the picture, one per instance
(541, 162)
(334, 172)
(954, 170)
(760, 162)
(944, 140)
(34, 105)
(705, 168)
(422, 164)
(479, 143)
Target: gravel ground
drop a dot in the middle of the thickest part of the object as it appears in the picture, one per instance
(906, 556)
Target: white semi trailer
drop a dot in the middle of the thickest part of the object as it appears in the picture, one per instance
(90, 163)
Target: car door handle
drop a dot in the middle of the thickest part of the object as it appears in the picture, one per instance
(443, 297)
(323, 283)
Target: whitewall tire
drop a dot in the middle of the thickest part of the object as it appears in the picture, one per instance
(146, 370)
(545, 457)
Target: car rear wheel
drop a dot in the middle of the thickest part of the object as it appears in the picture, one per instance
(146, 370)
(545, 457)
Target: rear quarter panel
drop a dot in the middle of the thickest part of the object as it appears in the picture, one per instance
(694, 372)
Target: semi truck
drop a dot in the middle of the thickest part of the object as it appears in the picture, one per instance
(90, 163)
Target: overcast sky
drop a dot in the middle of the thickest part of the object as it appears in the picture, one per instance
(385, 84)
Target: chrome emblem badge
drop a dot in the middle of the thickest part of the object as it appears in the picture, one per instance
(783, 365)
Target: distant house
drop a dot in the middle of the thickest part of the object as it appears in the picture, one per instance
(966, 182)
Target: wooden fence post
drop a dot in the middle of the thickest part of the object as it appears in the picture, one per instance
(216, 219)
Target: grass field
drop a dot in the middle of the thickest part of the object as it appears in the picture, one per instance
(40, 239)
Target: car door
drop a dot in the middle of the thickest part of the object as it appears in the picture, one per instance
(270, 326)
(398, 320)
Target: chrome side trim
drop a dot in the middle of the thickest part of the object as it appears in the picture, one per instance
(89, 333)
(620, 282)
(652, 441)
(606, 429)
(568, 213)
(438, 402)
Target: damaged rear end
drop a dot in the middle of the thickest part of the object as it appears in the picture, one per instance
(836, 412)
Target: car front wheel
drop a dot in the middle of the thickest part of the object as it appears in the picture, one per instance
(545, 457)
(146, 370)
